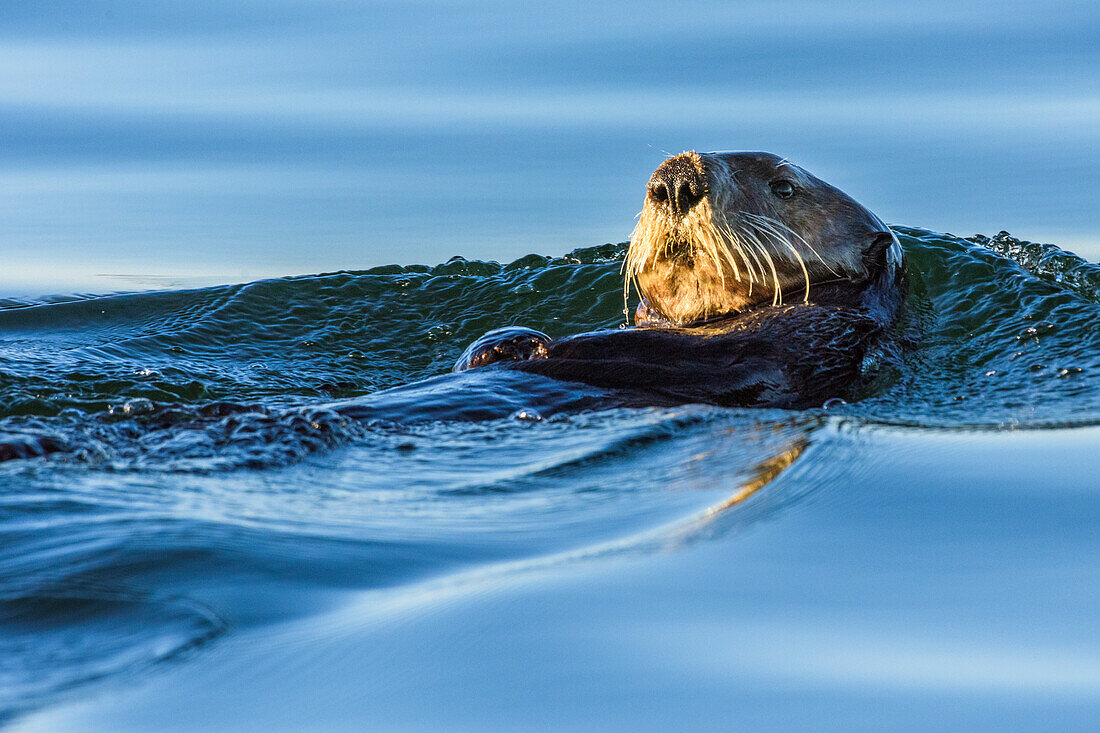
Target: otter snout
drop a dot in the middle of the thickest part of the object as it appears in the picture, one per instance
(677, 185)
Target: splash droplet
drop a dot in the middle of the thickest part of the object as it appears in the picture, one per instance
(526, 415)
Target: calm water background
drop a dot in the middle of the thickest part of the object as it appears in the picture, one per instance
(265, 506)
(235, 140)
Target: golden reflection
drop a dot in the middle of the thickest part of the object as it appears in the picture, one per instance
(762, 475)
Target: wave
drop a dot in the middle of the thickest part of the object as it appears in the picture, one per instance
(160, 452)
(998, 331)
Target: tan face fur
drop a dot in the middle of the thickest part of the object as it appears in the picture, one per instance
(723, 232)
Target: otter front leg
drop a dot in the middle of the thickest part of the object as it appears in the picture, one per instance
(504, 344)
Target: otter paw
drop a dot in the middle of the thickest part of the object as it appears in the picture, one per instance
(647, 317)
(504, 344)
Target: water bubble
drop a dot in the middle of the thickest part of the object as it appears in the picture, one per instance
(440, 331)
(523, 288)
(526, 414)
(136, 406)
(834, 402)
(356, 354)
(1033, 332)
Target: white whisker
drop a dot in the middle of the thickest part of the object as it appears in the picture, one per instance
(773, 223)
(767, 228)
(742, 248)
(777, 290)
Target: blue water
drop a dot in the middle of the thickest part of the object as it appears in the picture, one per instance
(272, 498)
(237, 495)
(236, 140)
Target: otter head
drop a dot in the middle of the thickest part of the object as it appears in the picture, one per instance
(723, 232)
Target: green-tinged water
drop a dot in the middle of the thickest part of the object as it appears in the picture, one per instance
(189, 474)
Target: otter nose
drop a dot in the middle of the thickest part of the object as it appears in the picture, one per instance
(678, 185)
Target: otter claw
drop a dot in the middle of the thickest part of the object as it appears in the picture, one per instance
(504, 344)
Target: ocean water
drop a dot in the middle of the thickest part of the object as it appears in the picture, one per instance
(269, 506)
(231, 141)
(236, 494)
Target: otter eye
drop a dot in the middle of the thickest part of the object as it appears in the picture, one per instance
(783, 189)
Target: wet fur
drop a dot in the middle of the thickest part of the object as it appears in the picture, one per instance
(750, 299)
(742, 246)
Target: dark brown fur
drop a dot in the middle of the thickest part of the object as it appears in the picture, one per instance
(750, 352)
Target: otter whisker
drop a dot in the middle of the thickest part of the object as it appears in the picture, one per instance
(738, 245)
(777, 291)
(742, 248)
(708, 248)
(770, 231)
(712, 247)
(728, 248)
(711, 252)
(733, 248)
(751, 249)
(717, 242)
(773, 223)
(756, 234)
(643, 246)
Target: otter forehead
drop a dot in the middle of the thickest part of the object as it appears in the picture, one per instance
(759, 165)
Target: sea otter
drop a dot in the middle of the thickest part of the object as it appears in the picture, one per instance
(760, 285)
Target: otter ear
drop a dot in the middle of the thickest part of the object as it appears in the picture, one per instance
(875, 256)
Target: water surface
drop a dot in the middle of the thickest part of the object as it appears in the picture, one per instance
(268, 505)
(238, 494)
(238, 140)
